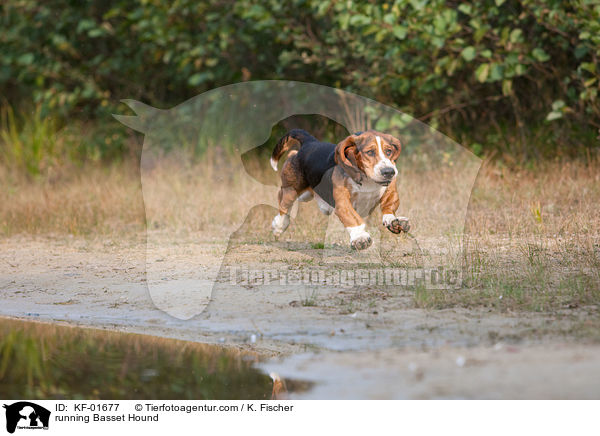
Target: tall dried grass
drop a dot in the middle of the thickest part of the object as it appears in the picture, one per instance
(90, 201)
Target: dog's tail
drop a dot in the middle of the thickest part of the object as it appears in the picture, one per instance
(292, 139)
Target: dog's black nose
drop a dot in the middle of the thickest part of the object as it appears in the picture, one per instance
(388, 172)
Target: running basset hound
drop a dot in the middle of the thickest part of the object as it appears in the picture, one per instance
(350, 178)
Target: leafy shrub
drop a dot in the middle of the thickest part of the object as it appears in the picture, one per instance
(503, 65)
(34, 144)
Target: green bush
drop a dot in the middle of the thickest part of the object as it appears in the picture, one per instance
(35, 144)
(501, 66)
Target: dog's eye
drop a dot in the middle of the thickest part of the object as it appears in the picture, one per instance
(371, 153)
(388, 152)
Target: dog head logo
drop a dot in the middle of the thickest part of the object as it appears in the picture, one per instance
(240, 118)
(26, 415)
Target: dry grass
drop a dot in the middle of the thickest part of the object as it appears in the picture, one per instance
(89, 201)
(552, 200)
(532, 240)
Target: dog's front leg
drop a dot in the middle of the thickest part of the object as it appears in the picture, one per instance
(359, 238)
(389, 205)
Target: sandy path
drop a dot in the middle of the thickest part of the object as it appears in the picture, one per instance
(552, 371)
(354, 344)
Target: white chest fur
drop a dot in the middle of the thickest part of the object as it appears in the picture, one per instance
(366, 196)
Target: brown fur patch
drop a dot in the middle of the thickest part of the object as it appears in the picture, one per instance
(292, 183)
(342, 195)
(389, 200)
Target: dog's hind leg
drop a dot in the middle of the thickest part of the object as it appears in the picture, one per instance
(287, 196)
(292, 184)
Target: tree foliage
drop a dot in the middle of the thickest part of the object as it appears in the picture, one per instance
(496, 61)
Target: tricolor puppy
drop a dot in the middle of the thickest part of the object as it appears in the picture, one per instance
(350, 178)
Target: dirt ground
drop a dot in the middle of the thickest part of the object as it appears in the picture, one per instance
(352, 343)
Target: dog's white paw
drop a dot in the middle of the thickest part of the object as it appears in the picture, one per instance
(396, 224)
(359, 238)
(362, 242)
(388, 218)
(279, 224)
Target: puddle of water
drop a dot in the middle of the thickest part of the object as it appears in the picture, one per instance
(53, 362)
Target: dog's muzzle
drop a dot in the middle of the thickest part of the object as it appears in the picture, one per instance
(387, 174)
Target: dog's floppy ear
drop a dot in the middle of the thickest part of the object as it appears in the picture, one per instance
(395, 143)
(345, 156)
